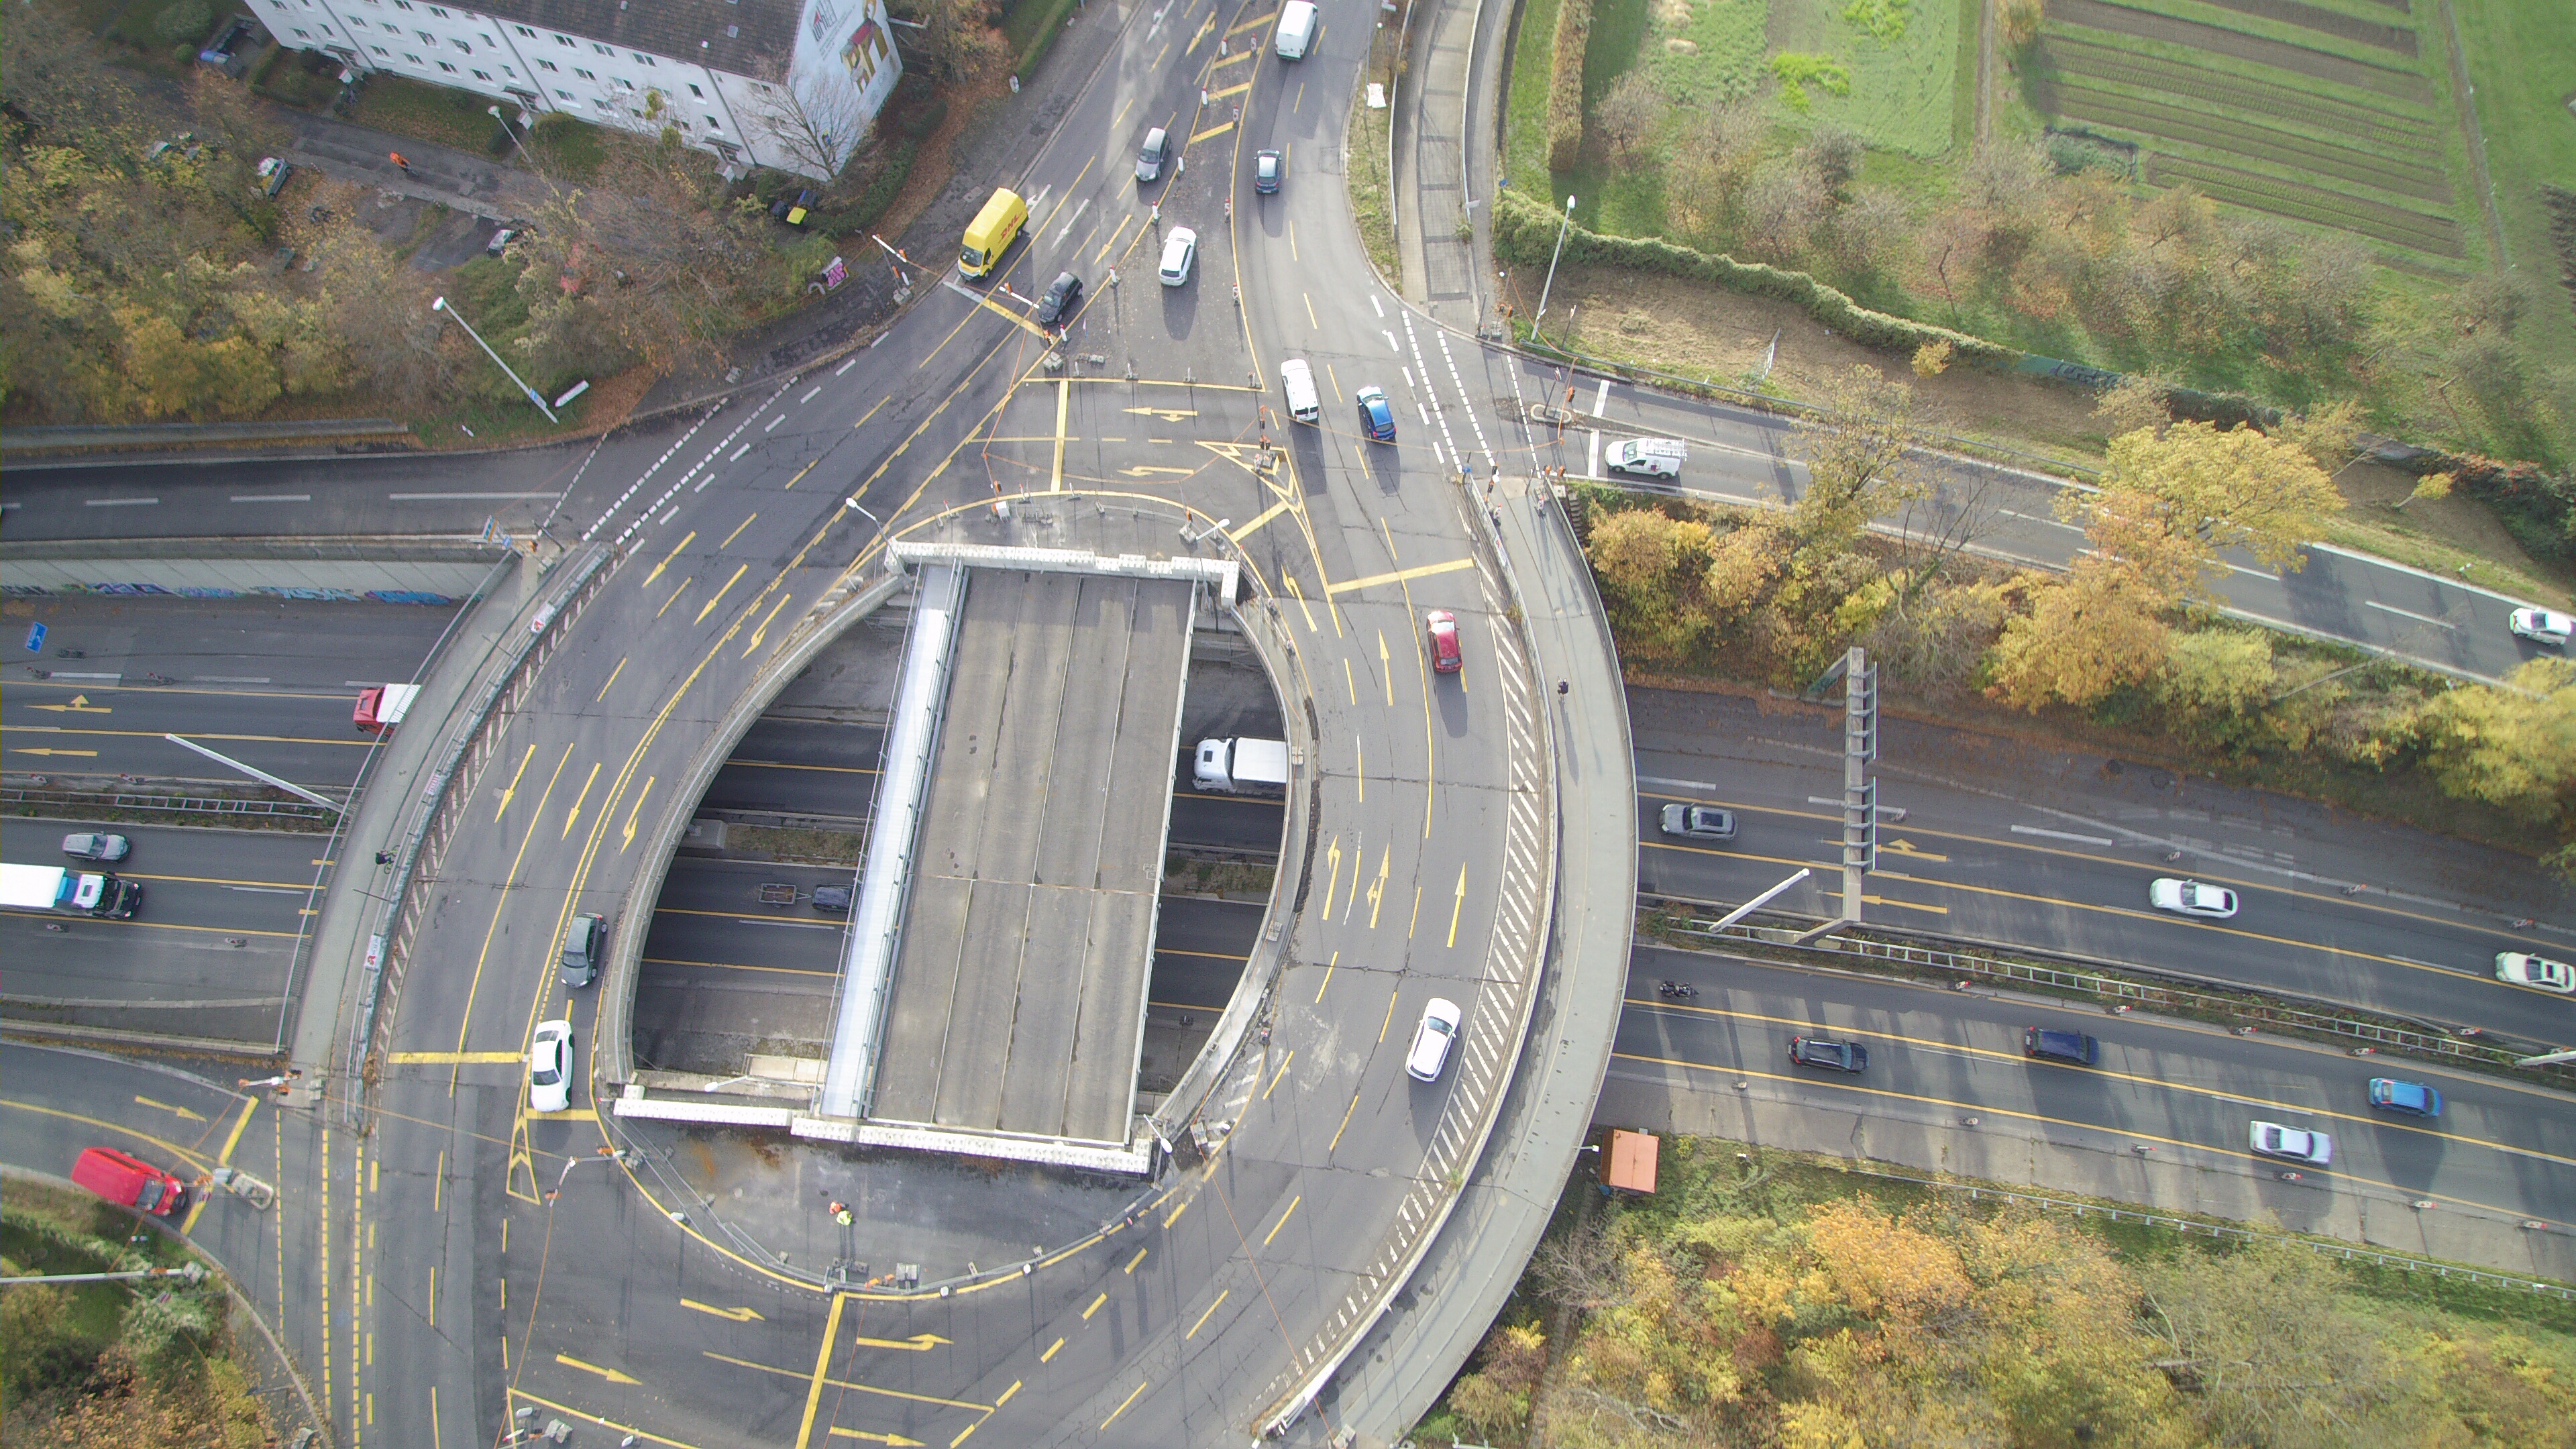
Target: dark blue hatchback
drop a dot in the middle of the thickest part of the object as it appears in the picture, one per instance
(1377, 417)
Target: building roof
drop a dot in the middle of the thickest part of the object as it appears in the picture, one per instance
(1632, 1161)
(745, 37)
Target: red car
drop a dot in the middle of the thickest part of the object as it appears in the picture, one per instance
(1442, 627)
(128, 1181)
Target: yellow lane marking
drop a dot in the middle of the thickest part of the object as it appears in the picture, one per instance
(738, 1315)
(1063, 405)
(739, 527)
(1122, 1407)
(719, 594)
(1067, 199)
(666, 558)
(1347, 1111)
(822, 1380)
(1051, 1351)
(362, 742)
(577, 1114)
(786, 765)
(1233, 90)
(79, 705)
(1216, 130)
(1457, 905)
(1279, 1077)
(918, 1343)
(1204, 1317)
(611, 1425)
(1421, 571)
(1130, 1269)
(675, 596)
(872, 412)
(572, 817)
(1254, 23)
(822, 1363)
(799, 478)
(1267, 514)
(1094, 1308)
(449, 1059)
(1283, 1219)
(610, 1374)
(896, 1440)
(632, 815)
(1907, 905)
(189, 1225)
(179, 1112)
(603, 690)
(1103, 254)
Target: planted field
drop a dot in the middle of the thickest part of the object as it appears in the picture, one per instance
(2434, 235)
(2419, 178)
(2394, 129)
(2391, 81)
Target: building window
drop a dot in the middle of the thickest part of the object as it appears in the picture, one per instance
(303, 34)
(564, 40)
(585, 75)
(441, 14)
(443, 65)
(380, 50)
(462, 46)
(642, 59)
(563, 95)
(416, 60)
(523, 30)
(603, 49)
(483, 75)
(402, 4)
(549, 65)
(713, 124)
(512, 74)
(693, 90)
(425, 37)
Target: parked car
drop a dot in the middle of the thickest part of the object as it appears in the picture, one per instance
(1817, 1051)
(2192, 898)
(2520, 968)
(97, 847)
(2073, 1047)
(1377, 415)
(1267, 168)
(2271, 1139)
(129, 1181)
(835, 899)
(550, 1067)
(1440, 628)
(2542, 626)
(1157, 150)
(1697, 822)
(1431, 1040)
(1060, 300)
(2412, 1098)
(1179, 250)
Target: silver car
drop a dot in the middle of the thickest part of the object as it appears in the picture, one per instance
(2271, 1139)
(2192, 898)
(2542, 626)
(550, 1067)
(1697, 822)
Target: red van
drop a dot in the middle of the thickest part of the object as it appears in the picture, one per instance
(129, 1181)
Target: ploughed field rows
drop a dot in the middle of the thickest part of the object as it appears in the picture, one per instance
(2279, 146)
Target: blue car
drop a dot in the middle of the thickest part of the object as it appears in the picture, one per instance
(1377, 418)
(2412, 1098)
(1266, 169)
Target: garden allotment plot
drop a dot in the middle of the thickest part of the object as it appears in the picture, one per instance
(2331, 112)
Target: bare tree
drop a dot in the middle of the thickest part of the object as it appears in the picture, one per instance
(1834, 154)
(1630, 109)
(1860, 444)
(813, 131)
(1781, 209)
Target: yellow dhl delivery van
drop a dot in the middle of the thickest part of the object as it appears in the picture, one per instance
(991, 233)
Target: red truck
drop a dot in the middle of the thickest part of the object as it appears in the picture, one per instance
(129, 1181)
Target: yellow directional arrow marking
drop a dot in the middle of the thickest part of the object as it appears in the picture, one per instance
(738, 1315)
(1906, 905)
(1147, 470)
(1377, 888)
(43, 750)
(1906, 847)
(166, 1107)
(1386, 667)
(638, 810)
(918, 1343)
(573, 817)
(1458, 905)
(610, 1374)
(1333, 859)
(1169, 415)
(896, 1440)
(80, 705)
(514, 781)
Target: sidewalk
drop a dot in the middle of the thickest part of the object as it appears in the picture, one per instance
(1444, 163)
(443, 175)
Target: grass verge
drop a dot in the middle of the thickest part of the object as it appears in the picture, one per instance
(1372, 203)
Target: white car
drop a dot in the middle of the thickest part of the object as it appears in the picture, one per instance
(1179, 250)
(550, 1068)
(2271, 1139)
(2520, 968)
(1431, 1040)
(2191, 898)
(2542, 626)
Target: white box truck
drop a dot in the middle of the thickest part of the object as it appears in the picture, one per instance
(53, 888)
(1297, 21)
(1243, 766)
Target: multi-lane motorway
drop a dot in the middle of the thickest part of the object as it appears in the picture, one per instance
(445, 1257)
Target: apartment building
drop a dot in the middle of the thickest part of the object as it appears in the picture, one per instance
(790, 84)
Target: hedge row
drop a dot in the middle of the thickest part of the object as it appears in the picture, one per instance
(1565, 84)
(2536, 506)
(1026, 62)
(1525, 231)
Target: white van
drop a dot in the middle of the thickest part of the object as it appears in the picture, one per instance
(1296, 29)
(1299, 380)
(1651, 457)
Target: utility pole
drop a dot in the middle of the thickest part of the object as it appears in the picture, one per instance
(1859, 679)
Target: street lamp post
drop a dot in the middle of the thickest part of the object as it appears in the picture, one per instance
(1561, 229)
(439, 304)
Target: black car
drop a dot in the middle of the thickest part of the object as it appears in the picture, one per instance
(835, 899)
(1266, 169)
(1816, 1051)
(2060, 1046)
(1060, 300)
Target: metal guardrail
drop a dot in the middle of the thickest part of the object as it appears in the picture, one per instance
(2401, 1261)
(2251, 1010)
(78, 800)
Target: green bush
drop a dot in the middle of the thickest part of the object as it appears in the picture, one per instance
(1525, 231)
(1050, 15)
(1565, 85)
(186, 20)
